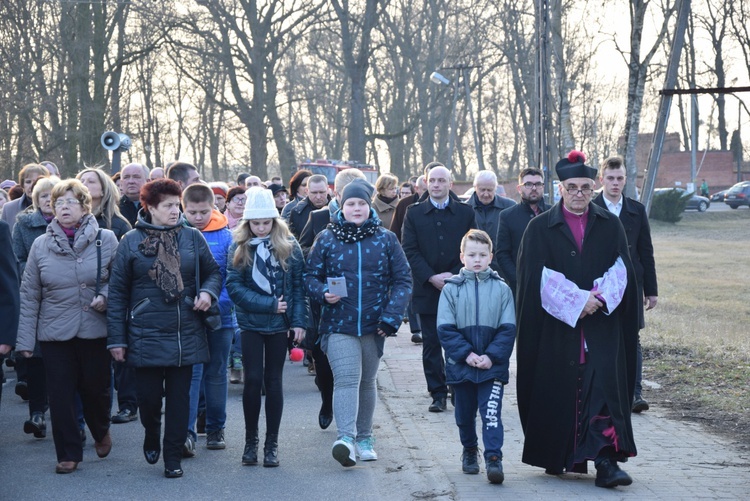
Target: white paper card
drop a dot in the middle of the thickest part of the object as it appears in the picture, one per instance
(337, 286)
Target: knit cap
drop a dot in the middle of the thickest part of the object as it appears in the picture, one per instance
(359, 188)
(259, 204)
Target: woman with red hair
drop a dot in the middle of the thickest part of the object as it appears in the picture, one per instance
(154, 320)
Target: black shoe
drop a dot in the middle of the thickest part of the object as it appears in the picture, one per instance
(325, 417)
(639, 405)
(494, 470)
(470, 460)
(215, 440)
(124, 416)
(151, 450)
(22, 390)
(271, 451)
(188, 450)
(325, 420)
(250, 454)
(608, 474)
(173, 473)
(200, 423)
(416, 337)
(36, 425)
(438, 404)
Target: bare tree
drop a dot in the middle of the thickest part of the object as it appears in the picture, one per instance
(638, 72)
(356, 36)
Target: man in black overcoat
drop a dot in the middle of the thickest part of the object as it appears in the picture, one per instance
(10, 301)
(634, 219)
(575, 384)
(513, 222)
(431, 239)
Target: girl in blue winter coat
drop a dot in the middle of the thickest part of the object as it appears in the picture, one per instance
(477, 328)
(264, 279)
(357, 270)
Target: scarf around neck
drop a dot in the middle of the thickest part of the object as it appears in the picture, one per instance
(264, 265)
(351, 233)
(165, 271)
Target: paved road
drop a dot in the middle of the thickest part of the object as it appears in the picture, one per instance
(419, 455)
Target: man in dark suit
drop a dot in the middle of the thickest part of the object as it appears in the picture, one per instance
(132, 179)
(513, 222)
(634, 219)
(10, 302)
(317, 198)
(431, 239)
(397, 223)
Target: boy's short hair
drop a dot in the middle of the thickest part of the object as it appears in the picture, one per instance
(197, 193)
(478, 236)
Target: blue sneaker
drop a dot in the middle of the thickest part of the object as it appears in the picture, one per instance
(364, 449)
(343, 451)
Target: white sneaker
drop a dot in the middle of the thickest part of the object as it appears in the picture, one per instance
(343, 451)
(365, 452)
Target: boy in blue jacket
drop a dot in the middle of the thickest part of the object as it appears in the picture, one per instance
(211, 378)
(477, 328)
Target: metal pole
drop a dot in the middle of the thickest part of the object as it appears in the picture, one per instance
(116, 154)
(543, 161)
(693, 138)
(452, 136)
(666, 101)
(465, 73)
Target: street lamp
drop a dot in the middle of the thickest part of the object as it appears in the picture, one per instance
(439, 79)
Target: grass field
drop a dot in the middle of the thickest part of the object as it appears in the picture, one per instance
(697, 341)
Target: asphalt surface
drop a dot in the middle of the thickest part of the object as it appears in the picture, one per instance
(419, 455)
(307, 469)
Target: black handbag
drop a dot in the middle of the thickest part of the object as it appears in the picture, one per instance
(212, 316)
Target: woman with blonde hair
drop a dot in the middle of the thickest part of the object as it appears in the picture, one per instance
(31, 224)
(264, 280)
(386, 198)
(105, 201)
(63, 303)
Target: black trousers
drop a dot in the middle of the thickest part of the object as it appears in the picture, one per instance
(125, 385)
(323, 378)
(77, 366)
(263, 357)
(36, 382)
(432, 357)
(172, 383)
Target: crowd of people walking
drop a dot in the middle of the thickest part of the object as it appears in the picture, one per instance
(159, 289)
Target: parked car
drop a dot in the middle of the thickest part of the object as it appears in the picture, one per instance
(695, 202)
(718, 196)
(739, 194)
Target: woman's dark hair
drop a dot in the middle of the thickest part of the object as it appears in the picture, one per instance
(154, 192)
(296, 181)
(233, 192)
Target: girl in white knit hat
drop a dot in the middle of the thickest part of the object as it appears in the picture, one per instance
(264, 280)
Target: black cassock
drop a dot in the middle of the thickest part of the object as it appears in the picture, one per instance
(573, 403)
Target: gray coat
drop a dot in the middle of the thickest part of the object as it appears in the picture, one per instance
(30, 225)
(11, 209)
(58, 285)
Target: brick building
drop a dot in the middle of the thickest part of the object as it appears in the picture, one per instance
(715, 166)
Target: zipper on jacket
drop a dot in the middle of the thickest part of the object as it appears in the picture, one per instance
(359, 295)
(476, 322)
(179, 336)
